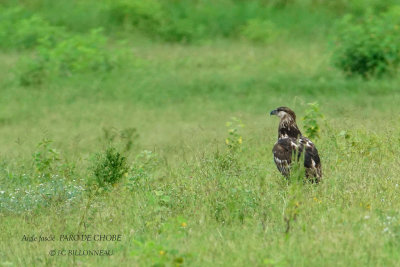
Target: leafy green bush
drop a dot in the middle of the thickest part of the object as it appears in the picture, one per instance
(260, 31)
(369, 46)
(109, 168)
(75, 54)
(9, 17)
(18, 30)
(57, 52)
(28, 32)
(171, 20)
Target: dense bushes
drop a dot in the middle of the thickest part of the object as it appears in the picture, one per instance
(74, 54)
(186, 21)
(177, 20)
(171, 21)
(369, 46)
(57, 51)
(19, 30)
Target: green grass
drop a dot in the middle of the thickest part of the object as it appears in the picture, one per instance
(188, 201)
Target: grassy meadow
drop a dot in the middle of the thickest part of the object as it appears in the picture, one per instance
(186, 101)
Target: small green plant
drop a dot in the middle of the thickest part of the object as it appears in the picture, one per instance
(28, 32)
(109, 168)
(234, 140)
(9, 17)
(310, 120)
(259, 31)
(45, 158)
(369, 46)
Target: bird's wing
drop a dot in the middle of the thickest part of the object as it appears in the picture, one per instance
(312, 162)
(282, 151)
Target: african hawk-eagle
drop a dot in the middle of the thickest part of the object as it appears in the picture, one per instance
(291, 144)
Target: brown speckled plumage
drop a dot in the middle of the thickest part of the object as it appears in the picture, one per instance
(291, 145)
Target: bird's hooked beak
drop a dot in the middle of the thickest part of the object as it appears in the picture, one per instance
(274, 112)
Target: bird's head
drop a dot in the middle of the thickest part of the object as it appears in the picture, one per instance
(287, 125)
(284, 112)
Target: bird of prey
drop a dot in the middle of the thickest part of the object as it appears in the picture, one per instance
(291, 145)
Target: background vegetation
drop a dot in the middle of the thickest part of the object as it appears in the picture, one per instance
(149, 119)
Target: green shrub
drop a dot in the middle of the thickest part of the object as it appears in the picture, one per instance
(45, 158)
(109, 168)
(78, 53)
(75, 54)
(369, 46)
(9, 17)
(57, 52)
(260, 31)
(28, 32)
(19, 30)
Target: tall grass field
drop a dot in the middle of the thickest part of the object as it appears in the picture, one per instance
(137, 133)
